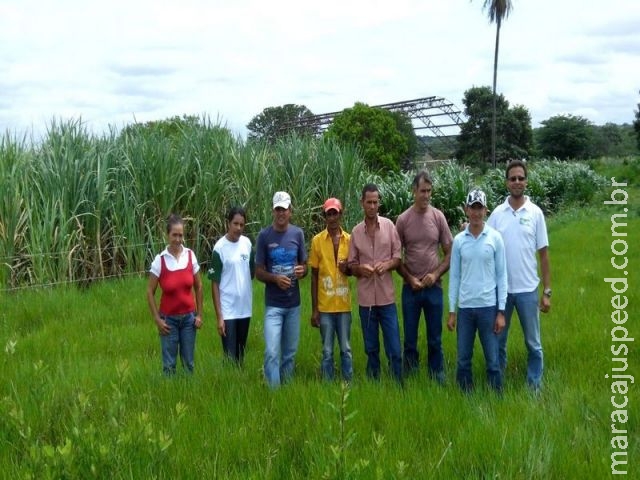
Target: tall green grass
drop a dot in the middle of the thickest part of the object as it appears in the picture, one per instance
(82, 395)
(77, 207)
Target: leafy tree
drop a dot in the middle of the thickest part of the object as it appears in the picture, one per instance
(514, 136)
(170, 128)
(405, 127)
(608, 140)
(375, 131)
(518, 132)
(612, 140)
(566, 137)
(276, 122)
(436, 147)
(636, 125)
(497, 10)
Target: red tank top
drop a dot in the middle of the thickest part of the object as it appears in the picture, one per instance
(177, 288)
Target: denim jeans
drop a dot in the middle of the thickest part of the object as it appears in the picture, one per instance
(526, 305)
(235, 338)
(182, 338)
(414, 302)
(481, 320)
(336, 325)
(281, 337)
(373, 319)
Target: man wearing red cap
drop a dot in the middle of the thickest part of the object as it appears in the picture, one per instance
(330, 292)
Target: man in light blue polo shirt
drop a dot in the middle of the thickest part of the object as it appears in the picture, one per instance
(478, 286)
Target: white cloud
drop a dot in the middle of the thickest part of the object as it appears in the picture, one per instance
(111, 62)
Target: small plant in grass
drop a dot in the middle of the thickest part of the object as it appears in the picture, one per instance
(344, 439)
(341, 466)
(88, 440)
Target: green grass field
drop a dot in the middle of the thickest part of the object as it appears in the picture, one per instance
(82, 395)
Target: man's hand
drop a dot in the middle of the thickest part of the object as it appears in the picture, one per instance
(545, 304)
(367, 270)
(429, 280)
(498, 326)
(414, 283)
(283, 282)
(451, 323)
(343, 266)
(299, 271)
(315, 319)
(380, 268)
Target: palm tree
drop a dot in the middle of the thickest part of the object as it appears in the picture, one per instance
(497, 10)
(636, 125)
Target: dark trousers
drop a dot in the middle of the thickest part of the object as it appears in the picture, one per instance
(385, 318)
(235, 340)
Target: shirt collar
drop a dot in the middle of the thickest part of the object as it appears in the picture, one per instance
(483, 232)
(525, 205)
(377, 224)
(325, 233)
(166, 251)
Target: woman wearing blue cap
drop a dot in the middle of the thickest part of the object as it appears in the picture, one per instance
(478, 287)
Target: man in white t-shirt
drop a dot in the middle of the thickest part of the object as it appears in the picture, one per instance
(522, 226)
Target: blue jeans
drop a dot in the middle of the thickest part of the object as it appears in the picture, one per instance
(481, 320)
(336, 324)
(373, 319)
(526, 305)
(414, 302)
(235, 340)
(281, 337)
(181, 337)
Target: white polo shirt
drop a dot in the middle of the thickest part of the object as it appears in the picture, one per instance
(524, 232)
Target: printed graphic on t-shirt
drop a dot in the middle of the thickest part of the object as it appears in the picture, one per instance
(331, 291)
(283, 262)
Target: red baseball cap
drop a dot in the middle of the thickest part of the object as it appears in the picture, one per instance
(332, 204)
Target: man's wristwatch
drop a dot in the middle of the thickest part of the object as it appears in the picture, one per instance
(501, 311)
(547, 292)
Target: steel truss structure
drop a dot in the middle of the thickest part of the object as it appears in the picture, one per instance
(436, 114)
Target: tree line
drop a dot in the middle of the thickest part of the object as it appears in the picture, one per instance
(387, 140)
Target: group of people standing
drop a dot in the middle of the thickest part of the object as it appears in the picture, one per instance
(492, 265)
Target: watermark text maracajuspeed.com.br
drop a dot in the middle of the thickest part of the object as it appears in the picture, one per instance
(621, 379)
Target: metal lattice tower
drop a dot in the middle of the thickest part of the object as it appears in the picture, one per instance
(436, 114)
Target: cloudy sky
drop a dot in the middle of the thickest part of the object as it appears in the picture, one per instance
(115, 62)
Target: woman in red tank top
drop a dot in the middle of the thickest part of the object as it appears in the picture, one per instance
(178, 318)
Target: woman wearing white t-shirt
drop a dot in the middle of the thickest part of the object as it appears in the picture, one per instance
(231, 274)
